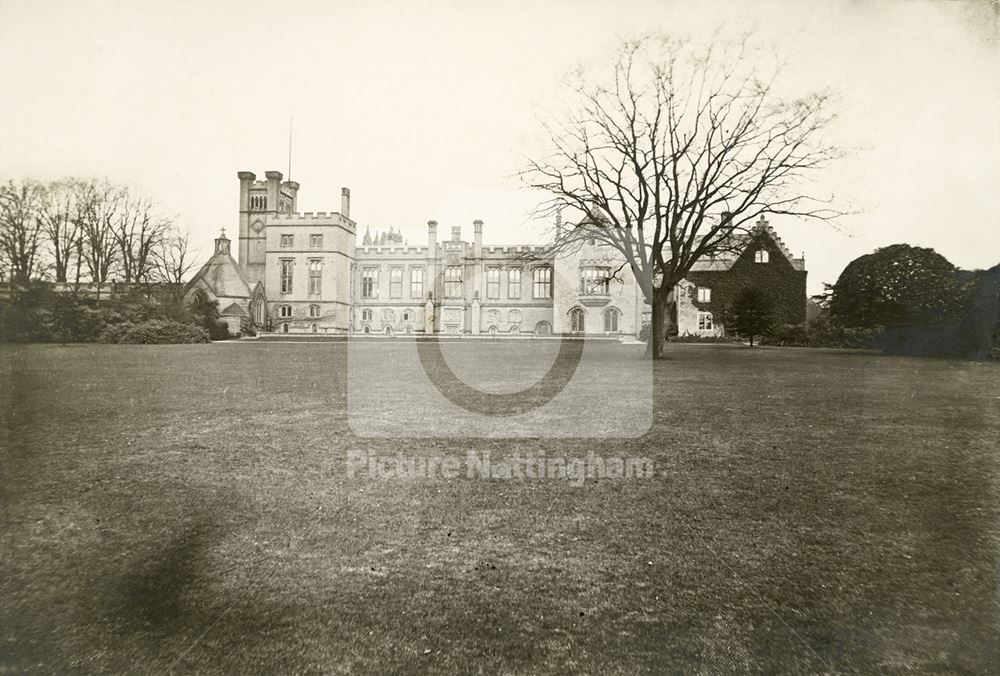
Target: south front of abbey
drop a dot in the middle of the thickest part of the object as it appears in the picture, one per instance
(307, 273)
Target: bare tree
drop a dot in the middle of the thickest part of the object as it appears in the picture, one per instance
(101, 202)
(62, 216)
(173, 256)
(138, 230)
(649, 161)
(21, 228)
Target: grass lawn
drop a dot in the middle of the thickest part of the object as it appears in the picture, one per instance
(186, 509)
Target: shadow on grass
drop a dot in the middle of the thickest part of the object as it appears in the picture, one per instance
(155, 594)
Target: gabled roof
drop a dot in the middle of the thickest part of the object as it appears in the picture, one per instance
(234, 310)
(724, 261)
(223, 276)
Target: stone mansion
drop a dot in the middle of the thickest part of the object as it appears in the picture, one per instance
(306, 273)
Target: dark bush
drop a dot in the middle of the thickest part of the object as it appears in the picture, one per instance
(154, 332)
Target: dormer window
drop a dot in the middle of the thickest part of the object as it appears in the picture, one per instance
(761, 256)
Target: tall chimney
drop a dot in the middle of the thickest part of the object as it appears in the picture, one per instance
(345, 202)
(432, 237)
(477, 242)
(456, 233)
(273, 190)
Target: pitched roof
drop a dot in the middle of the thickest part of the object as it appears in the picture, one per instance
(234, 310)
(723, 261)
(223, 276)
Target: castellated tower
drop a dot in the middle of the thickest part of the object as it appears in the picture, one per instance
(259, 201)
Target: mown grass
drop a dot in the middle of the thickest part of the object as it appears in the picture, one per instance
(186, 509)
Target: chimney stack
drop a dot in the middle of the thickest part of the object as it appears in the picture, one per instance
(477, 243)
(432, 237)
(345, 202)
(456, 233)
(273, 190)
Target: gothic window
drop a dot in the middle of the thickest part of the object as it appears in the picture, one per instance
(594, 280)
(542, 282)
(285, 311)
(369, 282)
(514, 283)
(416, 282)
(453, 281)
(543, 329)
(315, 275)
(366, 315)
(577, 320)
(286, 274)
(492, 282)
(395, 282)
(611, 316)
(314, 310)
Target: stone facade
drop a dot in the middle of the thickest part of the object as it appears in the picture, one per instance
(304, 273)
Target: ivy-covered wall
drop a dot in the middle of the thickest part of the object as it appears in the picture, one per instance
(778, 278)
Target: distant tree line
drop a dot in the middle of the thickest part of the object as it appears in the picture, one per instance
(94, 232)
(79, 230)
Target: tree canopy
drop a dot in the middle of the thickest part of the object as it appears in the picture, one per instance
(897, 285)
(672, 152)
(751, 314)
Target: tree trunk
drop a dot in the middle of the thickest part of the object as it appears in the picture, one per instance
(660, 325)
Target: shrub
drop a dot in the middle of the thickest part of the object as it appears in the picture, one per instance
(695, 338)
(154, 332)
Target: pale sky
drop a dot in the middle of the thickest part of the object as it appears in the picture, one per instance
(427, 109)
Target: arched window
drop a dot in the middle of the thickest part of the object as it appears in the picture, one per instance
(285, 311)
(388, 330)
(366, 315)
(313, 328)
(611, 320)
(493, 330)
(284, 328)
(314, 310)
(515, 329)
(408, 330)
(577, 320)
(543, 329)
(257, 310)
(367, 330)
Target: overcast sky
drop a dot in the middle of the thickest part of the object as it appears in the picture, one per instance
(426, 109)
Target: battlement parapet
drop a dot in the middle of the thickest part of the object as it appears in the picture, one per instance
(376, 249)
